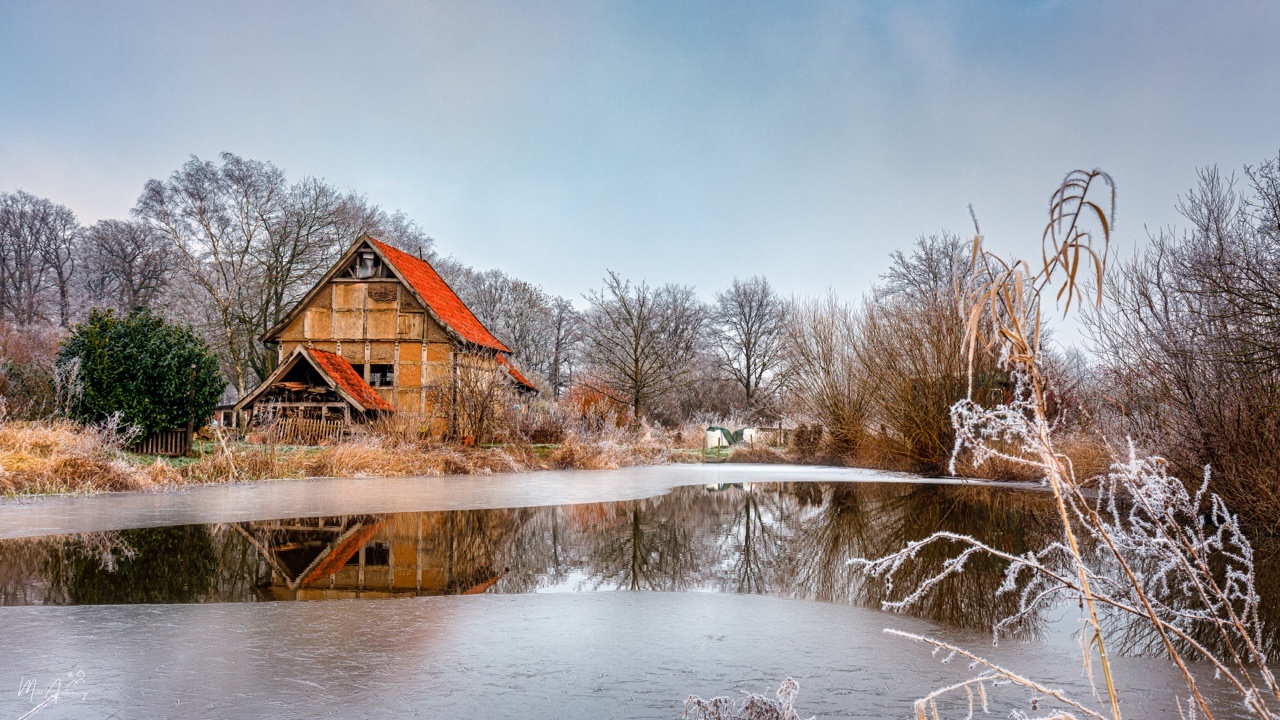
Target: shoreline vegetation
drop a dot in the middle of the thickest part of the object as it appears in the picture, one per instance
(55, 457)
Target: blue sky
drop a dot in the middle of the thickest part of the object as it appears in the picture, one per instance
(679, 141)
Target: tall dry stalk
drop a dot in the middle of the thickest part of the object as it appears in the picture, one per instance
(1003, 311)
(1176, 564)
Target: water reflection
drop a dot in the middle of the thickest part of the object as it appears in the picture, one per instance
(790, 540)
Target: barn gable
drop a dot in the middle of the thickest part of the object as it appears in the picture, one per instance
(362, 273)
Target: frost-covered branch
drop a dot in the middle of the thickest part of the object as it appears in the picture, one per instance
(1170, 563)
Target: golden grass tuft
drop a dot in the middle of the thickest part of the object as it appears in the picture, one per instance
(42, 457)
(756, 454)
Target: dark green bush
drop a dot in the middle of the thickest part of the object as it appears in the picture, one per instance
(156, 374)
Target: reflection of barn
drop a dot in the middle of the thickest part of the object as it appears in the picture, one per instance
(380, 333)
(366, 556)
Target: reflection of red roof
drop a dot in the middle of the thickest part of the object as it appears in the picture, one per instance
(482, 587)
(339, 555)
(444, 302)
(515, 374)
(337, 367)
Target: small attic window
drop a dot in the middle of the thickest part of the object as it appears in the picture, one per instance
(367, 265)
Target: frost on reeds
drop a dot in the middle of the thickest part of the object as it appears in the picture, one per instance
(1165, 562)
(60, 456)
(395, 449)
(750, 706)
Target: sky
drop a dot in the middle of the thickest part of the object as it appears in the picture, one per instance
(686, 142)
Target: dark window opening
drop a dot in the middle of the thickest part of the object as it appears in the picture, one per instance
(377, 554)
(366, 265)
(382, 375)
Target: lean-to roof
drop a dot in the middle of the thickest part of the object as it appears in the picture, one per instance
(348, 380)
(336, 370)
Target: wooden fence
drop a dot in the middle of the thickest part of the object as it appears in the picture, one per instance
(174, 442)
(305, 431)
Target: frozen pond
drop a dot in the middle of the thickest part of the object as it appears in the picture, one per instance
(597, 655)
(203, 504)
(455, 606)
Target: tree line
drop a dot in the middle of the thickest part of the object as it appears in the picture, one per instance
(229, 246)
(1182, 357)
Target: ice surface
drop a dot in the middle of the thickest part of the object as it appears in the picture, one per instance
(315, 497)
(600, 655)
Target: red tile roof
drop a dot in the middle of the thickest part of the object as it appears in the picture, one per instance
(337, 367)
(339, 555)
(444, 302)
(482, 587)
(516, 375)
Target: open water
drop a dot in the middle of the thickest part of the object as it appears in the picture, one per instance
(615, 596)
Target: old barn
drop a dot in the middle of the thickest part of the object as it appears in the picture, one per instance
(380, 333)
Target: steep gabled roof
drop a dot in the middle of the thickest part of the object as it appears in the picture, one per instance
(335, 370)
(441, 298)
(346, 379)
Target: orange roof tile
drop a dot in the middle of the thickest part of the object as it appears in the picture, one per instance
(444, 302)
(516, 375)
(337, 367)
(339, 555)
(482, 587)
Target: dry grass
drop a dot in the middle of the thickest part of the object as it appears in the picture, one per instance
(380, 456)
(1089, 456)
(56, 457)
(44, 457)
(757, 454)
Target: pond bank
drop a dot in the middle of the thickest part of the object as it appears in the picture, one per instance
(316, 497)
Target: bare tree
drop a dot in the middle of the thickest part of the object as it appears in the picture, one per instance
(823, 372)
(59, 248)
(251, 244)
(482, 399)
(1188, 339)
(395, 228)
(642, 339)
(566, 337)
(541, 329)
(306, 229)
(214, 216)
(912, 352)
(38, 249)
(749, 321)
(130, 264)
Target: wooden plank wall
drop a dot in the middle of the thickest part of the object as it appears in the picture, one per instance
(174, 442)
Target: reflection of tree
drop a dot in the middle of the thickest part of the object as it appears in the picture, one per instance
(27, 570)
(477, 544)
(1013, 521)
(1134, 636)
(648, 545)
(240, 567)
(791, 540)
(824, 537)
(166, 565)
(755, 540)
(541, 552)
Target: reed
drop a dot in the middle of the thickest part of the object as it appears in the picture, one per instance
(60, 456)
(1166, 554)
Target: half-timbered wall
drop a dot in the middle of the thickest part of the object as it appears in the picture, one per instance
(378, 322)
